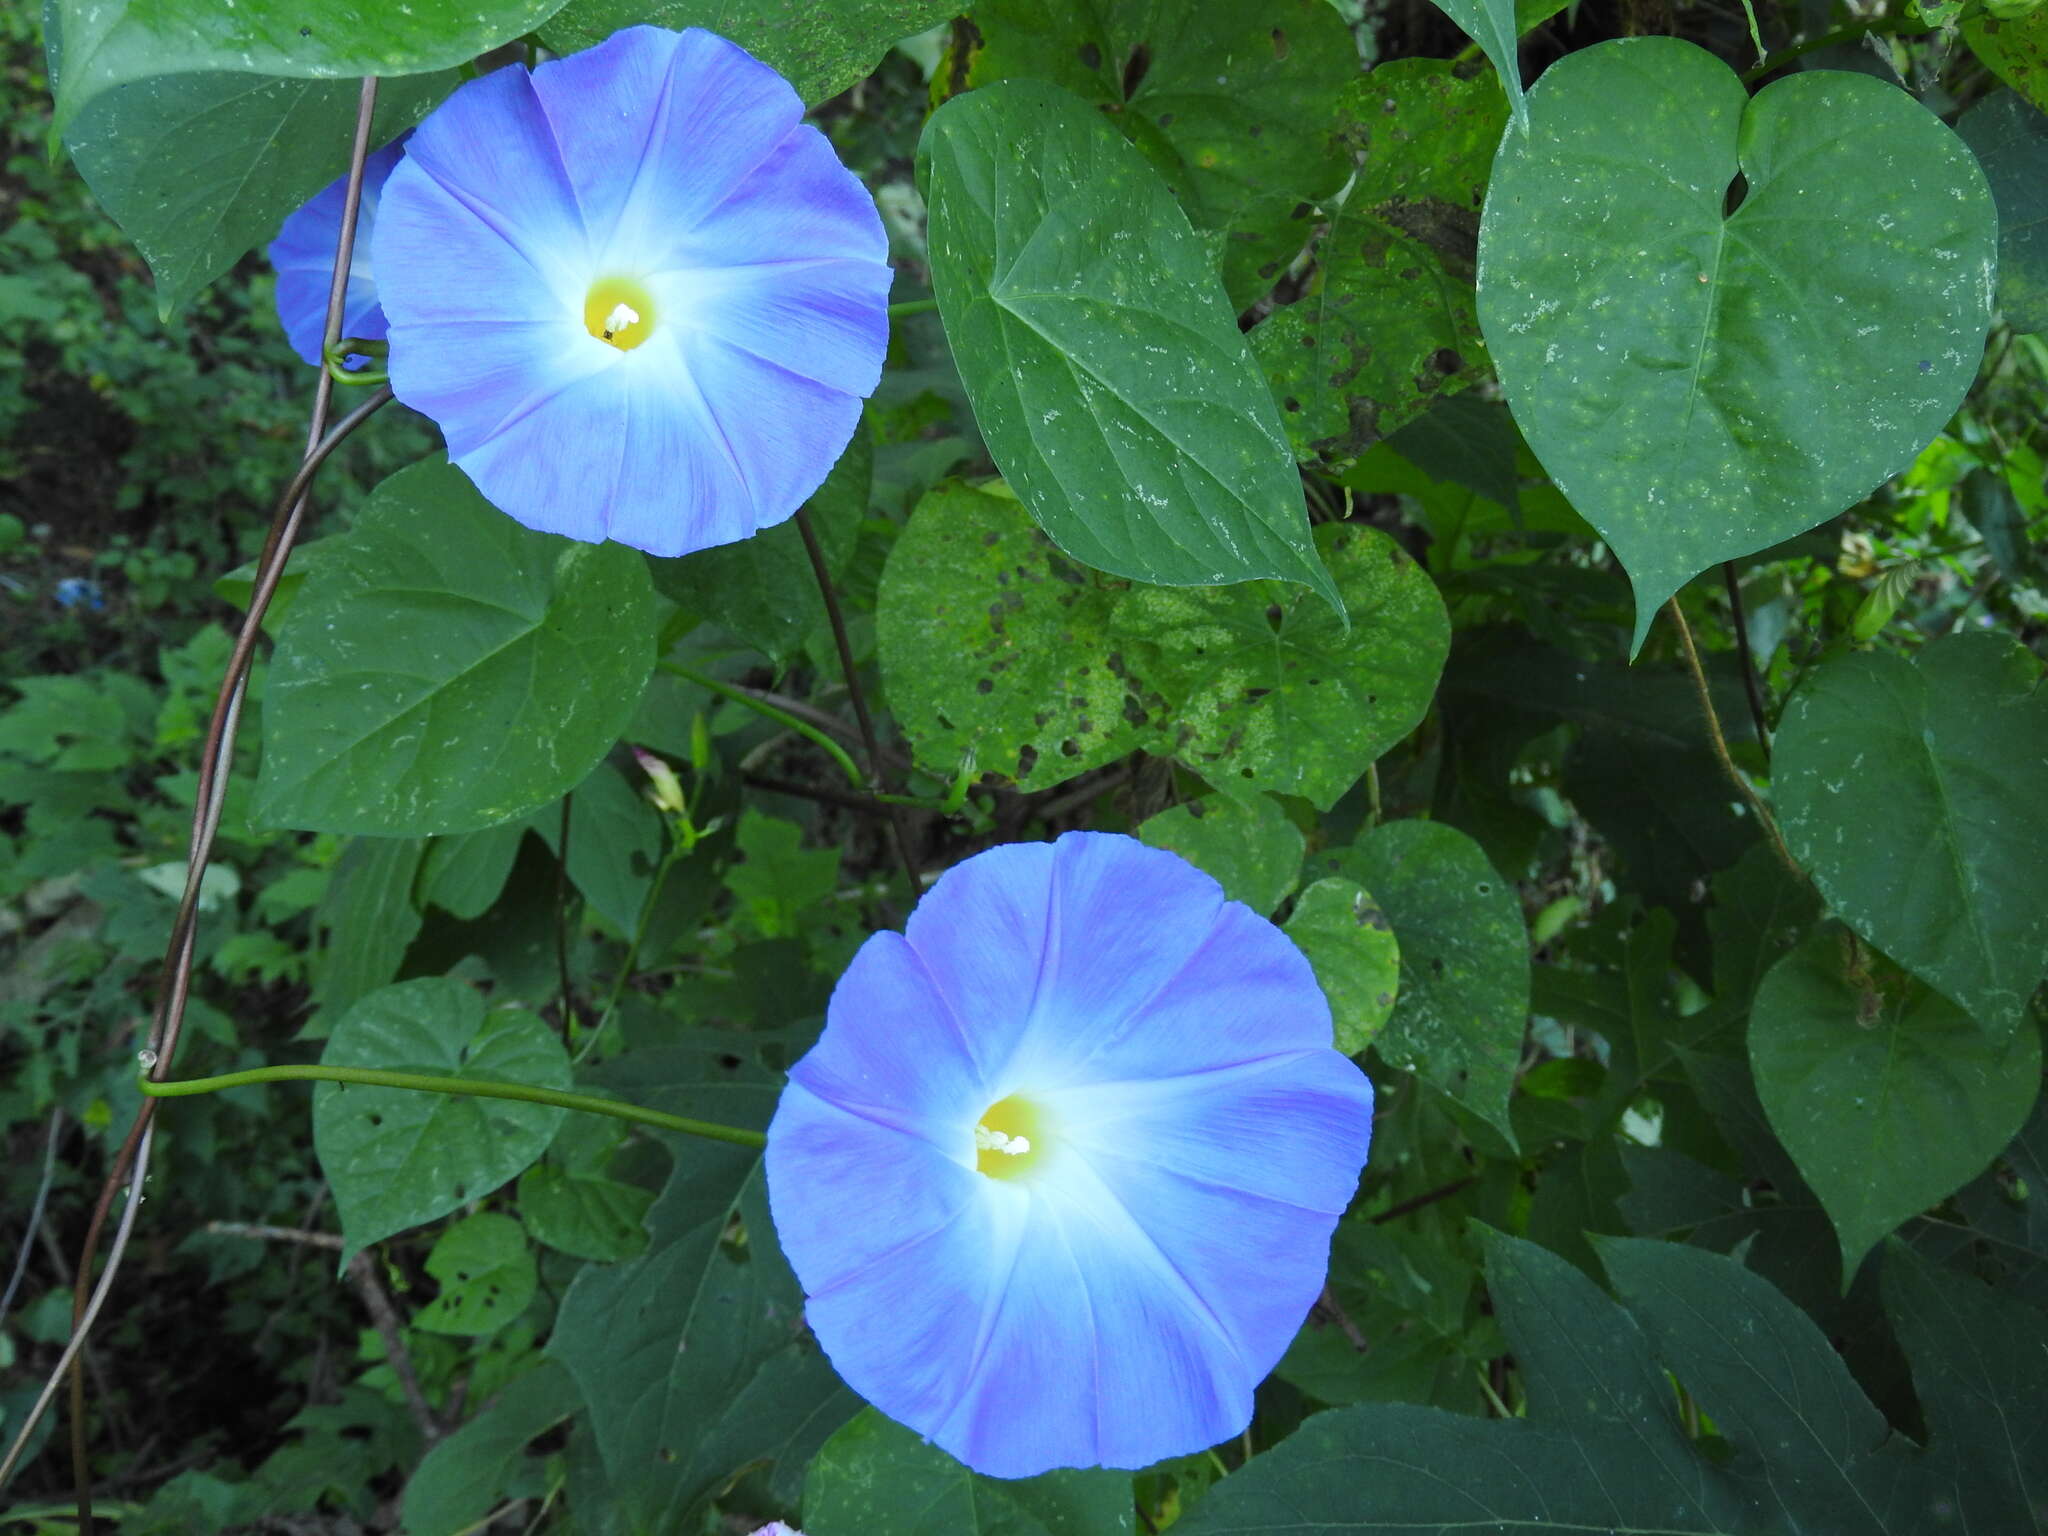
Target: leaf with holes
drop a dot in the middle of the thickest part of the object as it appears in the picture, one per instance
(1703, 384)
(1912, 792)
(2009, 137)
(1887, 1095)
(448, 669)
(1252, 847)
(1349, 941)
(1268, 690)
(486, 1274)
(875, 1476)
(822, 47)
(1234, 102)
(1464, 992)
(2015, 48)
(1389, 323)
(994, 643)
(396, 1158)
(1104, 366)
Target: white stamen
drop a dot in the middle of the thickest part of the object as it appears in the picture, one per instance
(986, 1140)
(622, 315)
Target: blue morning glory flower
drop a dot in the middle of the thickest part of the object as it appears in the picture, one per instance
(303, 254)
(1059, 1177)
(640, 296)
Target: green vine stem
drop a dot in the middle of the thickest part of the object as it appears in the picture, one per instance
(372, 1077)
(768, 711)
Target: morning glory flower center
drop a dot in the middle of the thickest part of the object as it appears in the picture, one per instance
(1009, 1138)
(619, 311)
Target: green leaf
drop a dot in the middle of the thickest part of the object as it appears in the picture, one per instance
(1887, 1095)
(692, 1358)
(571, 1204)
(776, 878)
(822, 47)
(588, 1218)
(1389, 323)
(1705, 384)
(464, 874)
(1250, 846)
(1912, 792)
(103, 45)
(1976, 1357)
(2010, 140)
(2015, 49)
(397, 1158)
(1233, 102)
(874, 1475)
(1104, 366)
(1493, 25)
(1349, 941)
(1271, 691)
(615, 841)
(448, 669)
(1604, 1450)
(763, 588)
(486, 1273)
(993, 642)
(366, 920)
(1464, 996)
(462, 1478)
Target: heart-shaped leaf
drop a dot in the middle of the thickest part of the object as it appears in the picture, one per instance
(1886, 1094)
(1250, 846)
(447, 669)
(396, 1157)
(1104, 366)
(1912, 790)
(1270, 691)
(1704, 383)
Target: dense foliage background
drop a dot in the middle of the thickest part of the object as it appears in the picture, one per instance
(1707, 1188)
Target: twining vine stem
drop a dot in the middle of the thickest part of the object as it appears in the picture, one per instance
(1751, 688)
(422, 1082)
(860, 704)
(1720, 743)
(131, 1162)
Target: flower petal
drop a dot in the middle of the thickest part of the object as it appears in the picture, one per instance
(1238, 1273)
(303, 254)
(893, 1052)
(1049, 950)
(1093, 1356)
(1244, 993)
(878, 1225)
(491, 147)
(780, 433)
(658, 128)
(823, 320)
(1293, 1128)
